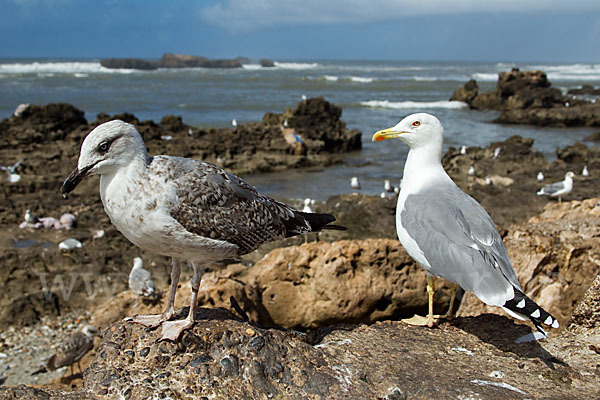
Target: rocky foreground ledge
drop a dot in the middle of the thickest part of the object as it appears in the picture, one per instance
(527, 97)
(224, 357)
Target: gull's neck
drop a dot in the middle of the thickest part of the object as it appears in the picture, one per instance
(134, 169)
(423, 165)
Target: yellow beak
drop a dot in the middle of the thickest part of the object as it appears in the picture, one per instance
(386, 134)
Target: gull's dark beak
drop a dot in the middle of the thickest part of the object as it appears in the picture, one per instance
(73, 180)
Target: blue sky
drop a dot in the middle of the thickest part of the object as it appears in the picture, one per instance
(470, 30)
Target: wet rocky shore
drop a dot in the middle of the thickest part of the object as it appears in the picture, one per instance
(311, 325)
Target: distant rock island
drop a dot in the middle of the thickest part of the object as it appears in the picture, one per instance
(527, 97)
(170, 60)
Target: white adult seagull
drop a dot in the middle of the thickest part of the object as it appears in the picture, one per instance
(448, 233)
(558, 189)
(186, 209)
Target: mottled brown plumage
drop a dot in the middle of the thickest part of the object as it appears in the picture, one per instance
(183, 208)
(72, 349)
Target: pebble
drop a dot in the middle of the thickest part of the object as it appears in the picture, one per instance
(226, 363)
(203, 359)
(257, 343)
(250, 332)
(144, 352)
(163, 375)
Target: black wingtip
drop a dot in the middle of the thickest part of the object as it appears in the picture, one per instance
(321, 221)
(523, 305)
(335, 227)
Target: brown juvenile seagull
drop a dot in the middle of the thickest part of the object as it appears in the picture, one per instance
(186, 209)
(72, 349)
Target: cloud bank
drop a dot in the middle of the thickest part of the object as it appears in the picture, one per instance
(251, 15)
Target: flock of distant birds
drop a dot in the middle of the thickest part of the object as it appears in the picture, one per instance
(556, 189)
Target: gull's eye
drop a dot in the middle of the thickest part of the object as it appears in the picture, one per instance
(416, 123)
(103, 148)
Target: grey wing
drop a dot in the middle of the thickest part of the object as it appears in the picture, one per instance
(217, 204)
(460, 241)
(553, 188)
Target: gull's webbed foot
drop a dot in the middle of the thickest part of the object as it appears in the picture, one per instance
(152, 320)
(419, 320)
(171, 330)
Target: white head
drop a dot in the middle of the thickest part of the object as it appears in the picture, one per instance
(569, 175)
(138, 262)
(416, 130)
(89, 331)
(108, 147)
(307, 202)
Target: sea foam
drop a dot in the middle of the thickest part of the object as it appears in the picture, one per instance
(292, 65)
(45, 68)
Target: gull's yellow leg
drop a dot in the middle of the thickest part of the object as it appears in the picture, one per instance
(419, 320)
(449, 315)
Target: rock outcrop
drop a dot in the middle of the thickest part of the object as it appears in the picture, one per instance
(128, 63)
(526, 97)
(584, 90)
(170, 60)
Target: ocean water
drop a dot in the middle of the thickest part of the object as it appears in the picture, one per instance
(373, 95)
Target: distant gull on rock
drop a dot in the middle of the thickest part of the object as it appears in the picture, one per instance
(387, 186)
(558, 189)
(140, 281)
(584, 171)
(307, 203)
(234, 123)
(448, 233)
(72, 349)
(497, 151)
(183, 208)
(471, 170)
(540, 176)
(463, 150)
(20, 109)
(354, 183)
(29, 218)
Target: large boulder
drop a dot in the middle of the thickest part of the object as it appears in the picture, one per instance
(466, 93)
(319, 123)
(40, 124)
(323, 283)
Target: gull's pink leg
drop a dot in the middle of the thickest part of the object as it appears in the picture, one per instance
(172, 329)
(155, 320)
